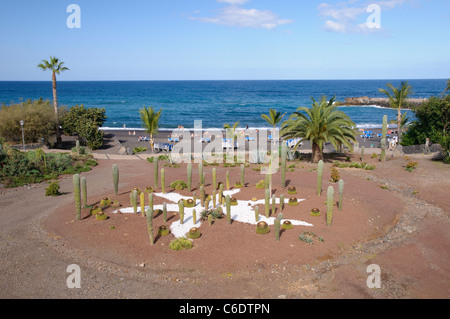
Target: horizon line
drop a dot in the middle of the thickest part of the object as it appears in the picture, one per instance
(217, 80)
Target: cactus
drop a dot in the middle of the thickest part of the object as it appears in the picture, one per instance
(266, 181)
(142, 202)
(341, 193)
(281, 202)
(194, 216)
(228, 180)
(189, 176)
(194, 233)
(150, 202)
(214, 177)
(319, 177)
(83, 191)
(262, 228)
(383, 150)
(115, 170)
(200, 173)
(267, 203)
(202, 196)
(242, 175)
(150, 225)
(283, 163)
(383, 139)
(163, 181)
(165, 212)
(163, 231)
(155, 171)
(276, 224)
(133, 200)
(220, 193)
(209, 219)
(330, 204)
(181, 210)
(362, 154)
(287, 225)
(273, 204)
(256, 214)
(77, 195)
(228, 204)
(214, 199)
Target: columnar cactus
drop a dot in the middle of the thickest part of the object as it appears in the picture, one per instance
(228, 205)
(277, 224)
(202, 196)
(84, 190)
(142, 202)
(273, 204)
(267, 203)
(220, 193)
(189, 176)
(242, 174)
(133, 200)
(214, 177)
(181, 210)
(383, 150)
(200, 173)
(319, 177)
(341, 193)
(150, 202)
(163, 180)
(228, 180)
(362, 154)
(194, 216)
(165, 212)
(266, 181)
(330, 204)
(283, 163)
(150, 225)
(214, 199)
(155, 171)
(115, 171)
(77, 195)
(256, 214)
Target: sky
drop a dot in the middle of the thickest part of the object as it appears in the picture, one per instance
(226, 39)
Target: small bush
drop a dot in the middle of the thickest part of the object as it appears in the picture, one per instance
(180, 244)
(139, 149)
(334, 175)
(53, 189)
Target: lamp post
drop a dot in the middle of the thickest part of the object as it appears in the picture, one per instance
(23, 137)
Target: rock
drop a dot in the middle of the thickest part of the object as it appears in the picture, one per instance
(122, 150)
(439, 156)
(398, 151)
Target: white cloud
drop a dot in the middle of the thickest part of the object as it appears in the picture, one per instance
(343, 17)
(236, 16)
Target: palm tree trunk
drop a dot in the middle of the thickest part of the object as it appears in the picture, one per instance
(55, 107)
(399, 123)
(152, 144)
(317, 153)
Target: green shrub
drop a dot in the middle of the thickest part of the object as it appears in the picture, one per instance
(53, 189)
(180, 244)
(137, 150)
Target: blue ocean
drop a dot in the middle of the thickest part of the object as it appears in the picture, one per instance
(214, 102)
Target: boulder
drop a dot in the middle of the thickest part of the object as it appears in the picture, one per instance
(398, 151)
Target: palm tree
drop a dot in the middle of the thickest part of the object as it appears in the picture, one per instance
(56, 67)
(320, 124)
(150, 120)
(397, 98)
(273, 118)
(448, 86)
(231, 130)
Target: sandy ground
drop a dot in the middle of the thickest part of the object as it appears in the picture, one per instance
(403, 229)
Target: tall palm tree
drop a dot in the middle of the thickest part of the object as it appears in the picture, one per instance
(448, 86)
(150, 120)
(397, 98)
(273, 118)
(56, 66)
(320, 124)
